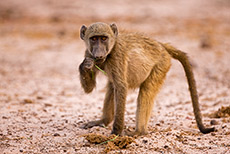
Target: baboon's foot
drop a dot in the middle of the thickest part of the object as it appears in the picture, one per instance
(92, 124)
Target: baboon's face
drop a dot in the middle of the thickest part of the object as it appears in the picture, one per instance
(99, 46)
(99, 38)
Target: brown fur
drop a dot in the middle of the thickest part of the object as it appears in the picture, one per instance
(132, 60)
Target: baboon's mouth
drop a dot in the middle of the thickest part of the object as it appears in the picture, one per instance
(100, 60)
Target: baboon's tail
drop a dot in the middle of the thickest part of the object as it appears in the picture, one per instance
(182, 57)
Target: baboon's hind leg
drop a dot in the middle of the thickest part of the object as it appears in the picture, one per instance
(148, 91)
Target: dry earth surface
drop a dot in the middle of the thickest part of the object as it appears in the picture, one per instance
(42, 105)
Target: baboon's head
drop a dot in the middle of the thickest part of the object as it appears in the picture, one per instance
(99, 38)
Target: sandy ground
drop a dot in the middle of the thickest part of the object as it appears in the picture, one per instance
(42, 105)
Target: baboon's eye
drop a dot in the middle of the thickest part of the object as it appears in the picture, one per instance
(93, 38)
(103, 38)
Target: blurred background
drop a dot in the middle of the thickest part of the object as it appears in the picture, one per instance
(51, 18)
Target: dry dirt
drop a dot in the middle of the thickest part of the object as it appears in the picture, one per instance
(42, 105)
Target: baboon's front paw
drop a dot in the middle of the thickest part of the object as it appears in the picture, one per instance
(88, 63)
(92, 124)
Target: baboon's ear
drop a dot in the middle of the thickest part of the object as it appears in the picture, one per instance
(82, 31)
(114, 28)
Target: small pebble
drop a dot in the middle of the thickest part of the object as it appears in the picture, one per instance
(145, 141)
(56, 134)
(166, 147)
(213, 122)
(39, 97)
(4, 117)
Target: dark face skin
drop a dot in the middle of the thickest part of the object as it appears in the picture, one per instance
(99, 47)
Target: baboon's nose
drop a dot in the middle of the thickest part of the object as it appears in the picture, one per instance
(99, 57)
(98, 53)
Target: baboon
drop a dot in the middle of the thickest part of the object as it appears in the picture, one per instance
(130, 60)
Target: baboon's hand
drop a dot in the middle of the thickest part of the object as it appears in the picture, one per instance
(87, 64)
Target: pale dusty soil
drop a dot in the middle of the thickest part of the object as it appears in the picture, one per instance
(42, 105)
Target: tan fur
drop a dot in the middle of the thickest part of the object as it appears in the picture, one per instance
(133, 61)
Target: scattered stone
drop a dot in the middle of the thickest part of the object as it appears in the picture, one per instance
(39, 97)
(205, 41)
(166, 146)
(48, 104)
(4, 117)
(56, 134)
(28, 101)
(213, 122)
(145, 141)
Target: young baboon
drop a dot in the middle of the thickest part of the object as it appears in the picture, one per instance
(130, 60)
